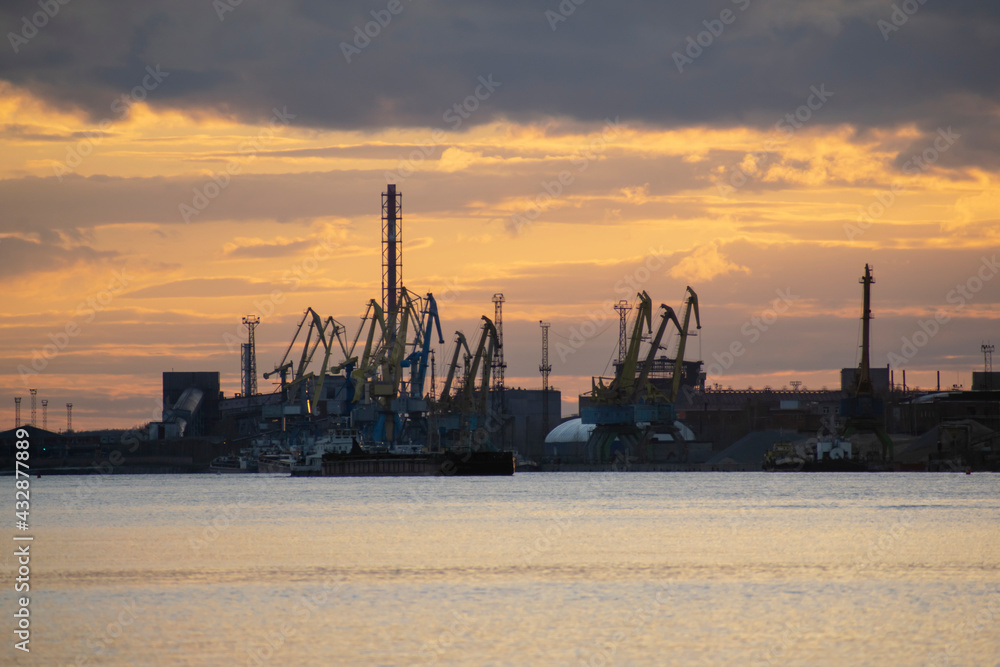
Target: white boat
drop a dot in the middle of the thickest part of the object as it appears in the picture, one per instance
(276, 462)
(231, 464)
(334, 441)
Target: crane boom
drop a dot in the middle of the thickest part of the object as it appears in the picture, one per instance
(625, 379)
(431, 318)
(654, 346)
(623, 383)
(460, 342)
(489, 333)
(372, 352)
(692, 303)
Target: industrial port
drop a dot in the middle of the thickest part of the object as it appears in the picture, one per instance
(364, 402)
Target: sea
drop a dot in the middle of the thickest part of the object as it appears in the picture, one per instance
(596, 569)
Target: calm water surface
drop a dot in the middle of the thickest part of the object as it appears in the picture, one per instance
(538, 569)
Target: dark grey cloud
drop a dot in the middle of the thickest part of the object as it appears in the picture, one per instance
(605, 59)
(20, 257)
(268, 250)
(77, 202)
(24, 132)
(33, 203)
(211, 288)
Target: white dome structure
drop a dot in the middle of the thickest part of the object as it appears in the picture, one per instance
(574, 430)
(571, 430)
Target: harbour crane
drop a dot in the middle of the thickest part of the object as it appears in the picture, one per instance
(621, 385)
(389, 387)
(863, 409)
(639, 389)
(411, 405)
(306, 385)
(371, 356)
(464, 411)
(419, 359)
(488, 342)
(388, 406)
(630, 408)
(446, 400)
(691, 303)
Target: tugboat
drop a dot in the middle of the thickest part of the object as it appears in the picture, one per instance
(829, 454)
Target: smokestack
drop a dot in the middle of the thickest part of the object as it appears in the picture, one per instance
(392, 247)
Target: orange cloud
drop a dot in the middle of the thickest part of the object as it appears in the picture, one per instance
(705, 263)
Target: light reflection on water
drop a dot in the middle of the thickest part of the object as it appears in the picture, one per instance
(541, 568)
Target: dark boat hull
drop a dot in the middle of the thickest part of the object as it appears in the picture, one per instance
(409, 465)
(478, 463)
(828, 465)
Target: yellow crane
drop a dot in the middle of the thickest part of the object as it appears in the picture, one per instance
(691, 303)
(463, 411)
(460, 342)
(622, 384)
(629, 400)
(307, 380)
(371, 357)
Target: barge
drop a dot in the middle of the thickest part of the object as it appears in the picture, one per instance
(407, 465)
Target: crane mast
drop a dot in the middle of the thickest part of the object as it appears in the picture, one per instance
(692, 303)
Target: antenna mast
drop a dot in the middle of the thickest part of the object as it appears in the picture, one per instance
(622, 307)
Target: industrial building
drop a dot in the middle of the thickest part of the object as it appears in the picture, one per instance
(190, 405)
(109, 451)
(532, 414)
(657, 410)
(374, 380)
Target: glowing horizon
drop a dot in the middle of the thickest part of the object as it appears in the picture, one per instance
(150, 226)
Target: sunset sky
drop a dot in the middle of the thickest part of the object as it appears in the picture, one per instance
(167, 168)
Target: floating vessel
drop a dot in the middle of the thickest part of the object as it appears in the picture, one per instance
(824, 455)
(276, 463)
(525, 464)
(305, 457)
(232, 464)
(368, 464)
